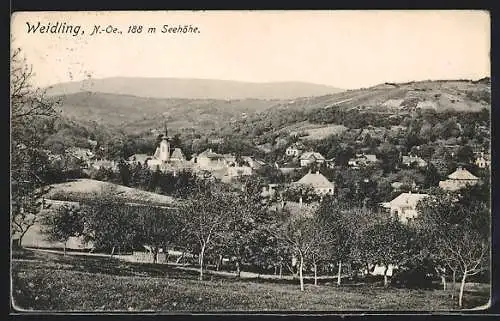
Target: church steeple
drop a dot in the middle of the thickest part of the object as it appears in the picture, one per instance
(166, 130)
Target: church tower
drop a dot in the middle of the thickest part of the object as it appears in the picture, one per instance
(165, 147)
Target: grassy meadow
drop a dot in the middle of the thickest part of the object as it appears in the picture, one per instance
(51, 282)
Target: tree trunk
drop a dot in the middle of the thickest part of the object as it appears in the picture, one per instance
(238, 271)
(443, 281)
(386, 281)
(202, 253)
(112, 251)
(281, 270)
(64, 248)
(453, 284)
(275, 270)
(180, 258)
(339, 277)
(462, 286)
(155, 255)
(315, 274)
(21, 238)
(300, 272)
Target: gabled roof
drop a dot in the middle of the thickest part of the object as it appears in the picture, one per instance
(317, 180)
(139, 157)
(177, 154)
(210, 154)
(462, 174)
(407, 200)
(412, 158)
(308, 155)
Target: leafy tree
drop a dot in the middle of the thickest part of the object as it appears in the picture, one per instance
(63, 223)
(124, 170)
(157, 227)
(338, 223)
(389, 242)
(108, 223)
(465, 155)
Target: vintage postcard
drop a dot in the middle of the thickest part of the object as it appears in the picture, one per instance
(250, 161)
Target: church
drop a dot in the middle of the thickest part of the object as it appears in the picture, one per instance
(165, 157)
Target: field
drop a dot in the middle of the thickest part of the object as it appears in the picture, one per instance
(52, 282)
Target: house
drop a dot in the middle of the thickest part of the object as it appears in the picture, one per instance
(270, 191)
(413, 159)
(405, 205)
(294, 150)
(483, 161)
(321, 185)
(235, 171)
(209, 160)
(458, 180)
(83, 154)
(140, 159)
(252, 162)
(330, 163)
(362, 160)
(97, 164)
(309, 158)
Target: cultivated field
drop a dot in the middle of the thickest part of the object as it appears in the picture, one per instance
(51, 282)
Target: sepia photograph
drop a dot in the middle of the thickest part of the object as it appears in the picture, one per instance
(250, 161)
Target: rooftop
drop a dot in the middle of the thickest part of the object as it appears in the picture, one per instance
(407, 199)
(308, 155)
(317, 180)
(462, 174)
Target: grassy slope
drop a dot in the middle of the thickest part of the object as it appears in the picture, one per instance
(43, 281)
(83, 188)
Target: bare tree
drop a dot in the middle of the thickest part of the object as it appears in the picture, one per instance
(205, 217)
(304, 236)
(457, 233)
(30, 108)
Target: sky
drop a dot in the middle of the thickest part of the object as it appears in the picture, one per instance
(344, 49)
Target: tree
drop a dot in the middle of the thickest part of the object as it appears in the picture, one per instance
(389, 242)
(465, 155)
(108, 223)
(124, 170)
(63, 223)
(205, 216)
(304, 236)
(30, 112)
(157, 227)
(341, 232)
(458, 231)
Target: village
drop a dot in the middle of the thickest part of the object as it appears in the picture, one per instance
(227, 168)
(273, 173)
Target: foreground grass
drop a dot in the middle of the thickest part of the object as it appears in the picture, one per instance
(51, 282)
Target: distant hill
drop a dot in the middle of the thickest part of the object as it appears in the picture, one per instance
(193, 88)
(440, 95)
(133, 113)
(137, 114)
